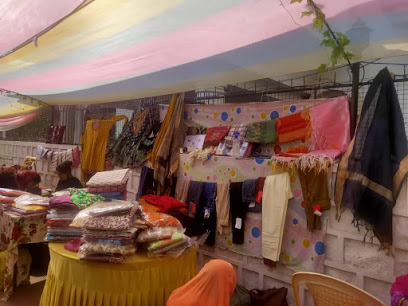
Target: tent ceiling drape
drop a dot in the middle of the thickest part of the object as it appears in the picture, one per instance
(125, 49)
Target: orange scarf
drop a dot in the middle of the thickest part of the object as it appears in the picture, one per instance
(293, 127)
(213, 286)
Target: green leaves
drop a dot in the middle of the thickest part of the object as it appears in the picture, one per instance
(335, 41)
(306, 14)
(322, 68)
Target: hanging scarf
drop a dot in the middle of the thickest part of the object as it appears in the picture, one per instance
(375, 164)
(165, 154)
(293, 127)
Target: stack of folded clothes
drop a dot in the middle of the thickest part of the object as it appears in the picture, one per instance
(109, 231)
(110, 184)
(22, 203)
(164, 234)
(61, 213)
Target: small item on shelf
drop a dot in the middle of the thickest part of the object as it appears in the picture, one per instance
(235, 146)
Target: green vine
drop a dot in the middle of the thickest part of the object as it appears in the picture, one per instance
(335, 40)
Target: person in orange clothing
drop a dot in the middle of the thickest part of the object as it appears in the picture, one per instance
(213, 286)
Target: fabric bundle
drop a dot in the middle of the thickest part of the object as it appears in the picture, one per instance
(112, 185)
(60, 215)
(163, 235)
(136, 140)
(164, 203)
(293, 127)
(375, 165)
(109, 232)
(261, 132)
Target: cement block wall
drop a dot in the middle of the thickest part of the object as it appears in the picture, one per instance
(347, 256)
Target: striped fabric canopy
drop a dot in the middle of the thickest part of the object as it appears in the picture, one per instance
(125, 49)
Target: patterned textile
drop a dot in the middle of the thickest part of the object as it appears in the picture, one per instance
(15, 230)
(107, 258)
(293, 127)
(82, 198)
(99, 248)
(330, 123)
(55, 134)
(106, 189)
(241, 129)
(110, 178)
(130, 233)
(121, 222)
(71, 155)
(215, 135)
(130, 149)
(261, 132)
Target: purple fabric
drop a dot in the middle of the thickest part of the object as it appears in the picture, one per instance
(62, 202)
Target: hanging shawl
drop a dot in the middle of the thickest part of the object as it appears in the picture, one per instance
(375, 164)
(130, 149)
(164, 155)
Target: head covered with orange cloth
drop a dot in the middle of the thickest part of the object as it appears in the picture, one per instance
(213, 285)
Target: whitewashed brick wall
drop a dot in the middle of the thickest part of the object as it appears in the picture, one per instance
(14, 152)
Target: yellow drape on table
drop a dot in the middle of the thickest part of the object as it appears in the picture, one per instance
(138, 281)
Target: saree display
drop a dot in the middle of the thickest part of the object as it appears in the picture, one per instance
(375, 164)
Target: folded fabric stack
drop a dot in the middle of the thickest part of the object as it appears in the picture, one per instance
(109, 231)
(61, 213)
(23, 203)
(164, 235)
(110, 184)
(164, 203)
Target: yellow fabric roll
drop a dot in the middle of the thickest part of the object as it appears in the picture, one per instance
(138, 281)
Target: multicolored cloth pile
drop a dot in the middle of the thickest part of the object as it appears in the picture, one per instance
(109, 232)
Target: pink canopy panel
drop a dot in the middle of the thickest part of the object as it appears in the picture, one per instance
(23, 20)
(125, 49)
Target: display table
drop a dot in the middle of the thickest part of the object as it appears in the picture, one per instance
(16, 229)
(138, 281)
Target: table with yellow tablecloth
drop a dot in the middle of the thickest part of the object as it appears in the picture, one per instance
(140, 280)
